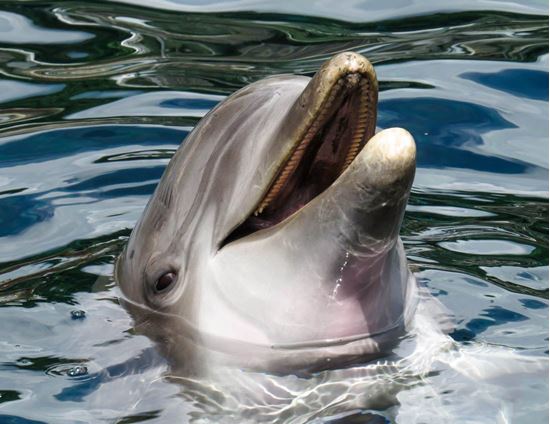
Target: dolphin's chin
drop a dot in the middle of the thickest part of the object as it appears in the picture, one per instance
(337, 134)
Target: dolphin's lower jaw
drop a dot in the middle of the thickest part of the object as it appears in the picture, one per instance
(336, 266)
(362, 304)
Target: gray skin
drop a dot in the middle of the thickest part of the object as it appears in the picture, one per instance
(325, 287)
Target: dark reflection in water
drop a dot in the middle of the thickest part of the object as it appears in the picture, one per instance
(142, 360)
(20, 212)
(443, 127)
(62, 143)
(12, 419)
(96, 96)
(522, 83)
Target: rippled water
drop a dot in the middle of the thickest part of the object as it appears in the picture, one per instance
(96, 96)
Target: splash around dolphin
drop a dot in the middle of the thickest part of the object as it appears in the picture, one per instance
(272, 240)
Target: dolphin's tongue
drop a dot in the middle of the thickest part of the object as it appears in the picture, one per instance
(328, 147)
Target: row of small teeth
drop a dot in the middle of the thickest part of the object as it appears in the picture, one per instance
(359, 133)
(298, 153)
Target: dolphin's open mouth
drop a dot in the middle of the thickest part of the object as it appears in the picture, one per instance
(341, 126)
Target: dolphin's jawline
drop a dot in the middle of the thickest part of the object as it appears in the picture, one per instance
(338, 130)
(334, 342)
(211, 341)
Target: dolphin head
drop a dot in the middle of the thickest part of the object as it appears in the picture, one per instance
(275, 227)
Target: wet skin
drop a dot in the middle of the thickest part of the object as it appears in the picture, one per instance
(272, 240)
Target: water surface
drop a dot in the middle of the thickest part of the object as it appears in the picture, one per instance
(96, 97)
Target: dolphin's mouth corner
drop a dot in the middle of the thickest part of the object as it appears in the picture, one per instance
(341, 119)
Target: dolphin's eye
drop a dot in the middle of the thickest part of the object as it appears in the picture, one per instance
(165, 281)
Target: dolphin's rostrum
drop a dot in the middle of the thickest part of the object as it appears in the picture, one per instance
(272, 240)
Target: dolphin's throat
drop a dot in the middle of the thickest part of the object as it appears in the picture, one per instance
(341, 127)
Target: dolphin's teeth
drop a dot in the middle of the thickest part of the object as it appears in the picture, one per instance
(359, 132)
(290, 166)
(327, 109)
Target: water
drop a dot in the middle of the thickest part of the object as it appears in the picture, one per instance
(95, 98)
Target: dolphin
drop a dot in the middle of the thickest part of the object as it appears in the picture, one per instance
(272, 240)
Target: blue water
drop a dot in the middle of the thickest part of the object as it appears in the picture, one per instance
(96, 97)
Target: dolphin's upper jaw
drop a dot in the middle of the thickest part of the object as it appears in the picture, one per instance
(329, 145)
(340, 105)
